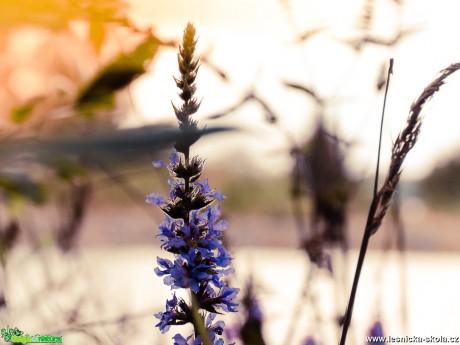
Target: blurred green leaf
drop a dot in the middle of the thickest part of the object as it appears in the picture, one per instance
(99, 93)
(126, 141)
(20, 186)
(67, 169)
(21, 113)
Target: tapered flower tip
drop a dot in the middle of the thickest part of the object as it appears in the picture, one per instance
(190, 28)
(189, 35)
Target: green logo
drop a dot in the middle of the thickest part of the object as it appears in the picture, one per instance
(16, 336)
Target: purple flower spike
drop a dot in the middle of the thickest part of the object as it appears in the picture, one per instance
(192, 230)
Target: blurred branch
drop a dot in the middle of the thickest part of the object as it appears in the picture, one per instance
(309, 91)
(206, 60)
(359, 43)
(308, 34)
(250, 96)
(80, 192)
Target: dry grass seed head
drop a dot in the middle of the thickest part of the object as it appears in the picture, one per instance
(404, 143)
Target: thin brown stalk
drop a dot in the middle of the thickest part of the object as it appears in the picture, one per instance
(381, 201)
(376, 182)
(403, 144)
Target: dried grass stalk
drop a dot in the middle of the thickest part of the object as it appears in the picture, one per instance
(382, 199)
(403, 144)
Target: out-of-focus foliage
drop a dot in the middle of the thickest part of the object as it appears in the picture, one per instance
(320, 173)
(67, 169)
(21, 113)
(116, 75)
(57, 14)
(64, 59)
(17, 187)
(66, 62)
(123, 142)
(53, 47)
(442, 186)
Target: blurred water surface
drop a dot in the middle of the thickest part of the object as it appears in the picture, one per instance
(112, 294)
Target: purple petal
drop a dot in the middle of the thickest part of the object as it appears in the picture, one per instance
(158, 164)
(220, 226)
(164, 263)
(156, 199)
(169, 281)
(204, 186)
(180, 340)
(227, 271)
(218, 196)
(223, 258)
(173, 158)
(177, 243)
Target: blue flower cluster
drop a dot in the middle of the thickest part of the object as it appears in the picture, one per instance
(192, 231)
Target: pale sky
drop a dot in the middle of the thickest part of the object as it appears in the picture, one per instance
(252, 41)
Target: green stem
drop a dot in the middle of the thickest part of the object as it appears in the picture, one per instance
(198, 322)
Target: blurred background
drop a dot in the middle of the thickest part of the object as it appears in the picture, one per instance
(292, 93)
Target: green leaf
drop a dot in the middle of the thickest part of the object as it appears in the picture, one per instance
(22, 113)
(124, 142)
(67, 169)
(20, 186)
(99, 93)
